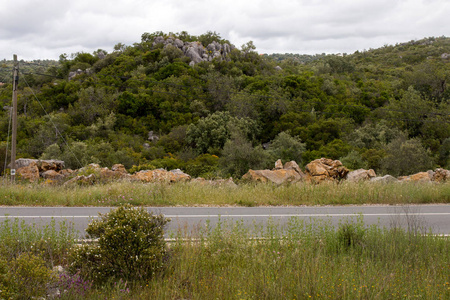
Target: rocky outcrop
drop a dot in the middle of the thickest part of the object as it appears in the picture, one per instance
(324, 169)
(161, 175)
(274, 176)
(384, 179)
(82, 180)
(360, 175)
(216, 182)
(441, 175)
(43, 165)
(279, 175)
(195, 50)
(418, 177)
(29, 171)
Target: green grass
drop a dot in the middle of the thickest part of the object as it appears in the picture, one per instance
(195, 194)
(300, 260)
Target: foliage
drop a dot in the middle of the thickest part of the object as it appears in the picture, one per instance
(287, 148)
(130, 246)
(211, 133)
(333, 104)
(405, 157)
(354, 160)
(238, 156)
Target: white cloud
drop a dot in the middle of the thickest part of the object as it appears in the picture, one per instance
(48, 28)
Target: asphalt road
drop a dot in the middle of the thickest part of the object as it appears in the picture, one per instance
(434, 217)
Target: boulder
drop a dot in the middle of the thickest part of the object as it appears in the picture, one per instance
(418, 177)
(46, 165)
(441, 175)
(278, 165)
(279, 176)
(52, 175)
(215, 182)
(119, 168)
(292, 165)
(82, 180)
(325, 169)
(384, 179)
(360, 175)
(29, 172)
(161, 175)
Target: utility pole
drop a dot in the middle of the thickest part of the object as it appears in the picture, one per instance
(14, 118)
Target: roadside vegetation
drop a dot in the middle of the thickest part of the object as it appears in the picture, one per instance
(301, 260)
(244, 194)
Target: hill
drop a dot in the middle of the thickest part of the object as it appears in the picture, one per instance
(200, 104)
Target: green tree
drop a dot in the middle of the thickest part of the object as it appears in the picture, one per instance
(238, 156)
(406, 157)
(287, 148)
(211, 133)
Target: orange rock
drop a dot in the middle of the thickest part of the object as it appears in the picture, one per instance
(421, 176)
(325, 169)
(279, 176)
(29, 172)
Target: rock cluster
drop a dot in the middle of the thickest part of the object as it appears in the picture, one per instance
(323, 169)
(288, 173)
(195, 50)
(317, 171)
(33, 169)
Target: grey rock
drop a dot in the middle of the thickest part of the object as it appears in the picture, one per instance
(384, 179)
(158, 40)
(360, 175)
(178, 43)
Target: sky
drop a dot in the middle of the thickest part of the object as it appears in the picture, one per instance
(47, 28)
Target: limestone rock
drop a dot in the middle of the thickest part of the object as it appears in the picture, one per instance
(292, 165)
(360, 175)
(384, 179)
(278, 165)
(418, 177)
(82, 180)
(279, 176)
(119, 168)
(52, 175)
(29, 172)
(441, 175)
(43, 165)
(325, 169)
(46, 165)
(161, 175)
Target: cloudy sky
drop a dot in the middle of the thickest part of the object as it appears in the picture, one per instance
(47, 28)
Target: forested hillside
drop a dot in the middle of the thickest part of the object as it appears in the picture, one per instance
(200, 104)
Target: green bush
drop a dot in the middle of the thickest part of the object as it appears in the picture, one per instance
(130, 246)
(26, 277)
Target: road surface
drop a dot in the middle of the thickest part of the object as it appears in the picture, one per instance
(434, 217)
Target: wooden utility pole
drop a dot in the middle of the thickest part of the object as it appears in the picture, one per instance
(14, 118)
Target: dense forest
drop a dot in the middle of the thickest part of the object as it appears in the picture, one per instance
(157, 104)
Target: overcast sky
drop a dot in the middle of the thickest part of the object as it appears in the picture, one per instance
(47, 28)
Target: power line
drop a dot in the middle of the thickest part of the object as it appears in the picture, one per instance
(54, 125)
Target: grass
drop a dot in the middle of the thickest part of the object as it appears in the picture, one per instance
(300, 260)
(195, 194)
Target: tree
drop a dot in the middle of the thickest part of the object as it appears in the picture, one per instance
(211, 133)
(287, 148)
(238, 156)
(406, 157)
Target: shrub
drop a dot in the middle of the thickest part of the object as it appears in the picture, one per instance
(130, 246)
(26, 277)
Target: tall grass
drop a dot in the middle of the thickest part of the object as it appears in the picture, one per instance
(194, 194)
(300, 260)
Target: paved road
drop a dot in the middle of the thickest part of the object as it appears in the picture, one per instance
(436, 217)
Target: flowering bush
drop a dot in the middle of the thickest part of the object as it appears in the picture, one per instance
(130, 246)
